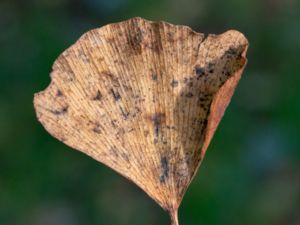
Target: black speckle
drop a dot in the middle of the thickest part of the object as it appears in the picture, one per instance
(154, 76)
(170, 127)
(174, 83)
(61, 111)
(116, 95)
(211, 67)
(157, 119)
(200, 71)
(113, 123)
(203, 125)
(231, 51)
(124, 113)
(59, 93)
(135, 40)
(98, 96)
(164, 164)
(97, 128)
(156, 128)
(205, 122)
(189, 95)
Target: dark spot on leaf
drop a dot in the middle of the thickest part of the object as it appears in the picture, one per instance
(97, 128)
(59, 93)
(164, 164)
(98, 96)
(189, 95)
(114, 152)
(135, 39)
(115, 94)
(111, 77)
(154, 76)
(231, 51)
(124, 113)
(211, 67)
(113, 123)
(174, 83)
(200, 71)
(157, 119)
(190, 84)
(61, 111)
(125, 156)
(205, 122)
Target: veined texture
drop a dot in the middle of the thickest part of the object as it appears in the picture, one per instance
(144, 98)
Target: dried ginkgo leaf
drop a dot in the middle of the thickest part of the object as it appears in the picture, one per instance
(144, 98)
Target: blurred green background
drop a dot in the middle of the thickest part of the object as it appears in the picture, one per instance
(251, 173)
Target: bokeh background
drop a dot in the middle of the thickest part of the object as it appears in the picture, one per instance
(251, 173)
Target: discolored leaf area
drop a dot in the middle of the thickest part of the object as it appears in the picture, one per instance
(145, 99)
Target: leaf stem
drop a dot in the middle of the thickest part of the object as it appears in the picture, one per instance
(174, 216)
